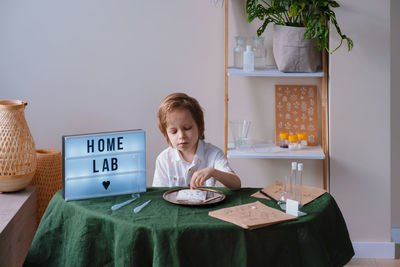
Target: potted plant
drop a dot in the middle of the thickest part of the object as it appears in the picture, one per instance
(301, 29)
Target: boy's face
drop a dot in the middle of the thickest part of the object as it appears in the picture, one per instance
(182, 131)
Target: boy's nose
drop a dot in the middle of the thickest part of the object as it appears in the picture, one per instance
(181, 134)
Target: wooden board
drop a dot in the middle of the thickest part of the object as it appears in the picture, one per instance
(296, 111)
(309, 193)
(252, 215)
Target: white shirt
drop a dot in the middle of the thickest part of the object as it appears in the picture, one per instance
(173, 170)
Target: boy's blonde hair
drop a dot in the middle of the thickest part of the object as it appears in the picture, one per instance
(180, 101)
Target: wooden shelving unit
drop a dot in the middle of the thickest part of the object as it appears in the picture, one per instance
(271, 151)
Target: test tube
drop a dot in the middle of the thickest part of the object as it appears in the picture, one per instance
(299, 183)
(292, 182)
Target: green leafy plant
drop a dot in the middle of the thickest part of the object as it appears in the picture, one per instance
(314, 15)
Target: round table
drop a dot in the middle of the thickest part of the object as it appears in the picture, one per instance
(89, 233)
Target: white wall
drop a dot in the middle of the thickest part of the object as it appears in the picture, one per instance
(395, 111)
(90, 66)
(97, 65)
(360, 120)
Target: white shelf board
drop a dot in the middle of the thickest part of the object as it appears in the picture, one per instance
(271, 151)
(272, 71)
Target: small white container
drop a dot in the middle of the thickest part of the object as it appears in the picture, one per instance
(302, 140)
(293, 142)
(283, 140)
(248, 59)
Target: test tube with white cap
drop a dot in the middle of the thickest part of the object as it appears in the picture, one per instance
(299, 183)
(292, 182)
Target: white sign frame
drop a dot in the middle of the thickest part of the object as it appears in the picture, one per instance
(104, 164)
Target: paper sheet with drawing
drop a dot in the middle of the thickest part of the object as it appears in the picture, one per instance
(251, 216)
(309, 193)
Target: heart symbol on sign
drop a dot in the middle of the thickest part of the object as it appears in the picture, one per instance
(106, 184)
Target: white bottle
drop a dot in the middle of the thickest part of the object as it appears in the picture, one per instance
(248, 59)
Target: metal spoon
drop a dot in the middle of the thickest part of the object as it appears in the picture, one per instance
(210, 199)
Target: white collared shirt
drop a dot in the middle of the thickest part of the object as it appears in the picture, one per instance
(173, 170)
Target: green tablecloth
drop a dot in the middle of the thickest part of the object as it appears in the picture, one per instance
(88, 233)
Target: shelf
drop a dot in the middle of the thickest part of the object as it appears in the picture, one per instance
(272, 71)
(270, 151)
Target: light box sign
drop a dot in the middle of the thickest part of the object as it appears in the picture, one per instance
(104, 164)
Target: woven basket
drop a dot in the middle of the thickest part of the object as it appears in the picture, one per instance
(17, 148)
(48, 177)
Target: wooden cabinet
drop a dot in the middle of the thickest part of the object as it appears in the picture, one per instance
(18, 223)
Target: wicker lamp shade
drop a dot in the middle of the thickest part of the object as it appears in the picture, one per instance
(48, 177)
(17, 148)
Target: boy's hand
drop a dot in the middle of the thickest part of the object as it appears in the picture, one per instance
(199, 177)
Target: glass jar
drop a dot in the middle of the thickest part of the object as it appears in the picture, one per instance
(302, 140)
(260, 53)
(238, 50)
(283, 140)
(293, 140)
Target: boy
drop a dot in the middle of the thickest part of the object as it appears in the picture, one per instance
(189, 160)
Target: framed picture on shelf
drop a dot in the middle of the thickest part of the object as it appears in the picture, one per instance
(296, 111)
